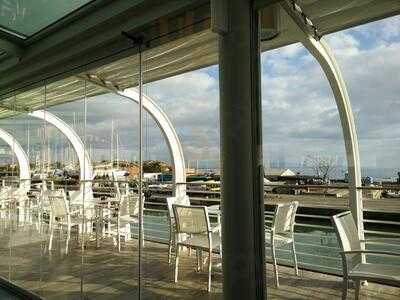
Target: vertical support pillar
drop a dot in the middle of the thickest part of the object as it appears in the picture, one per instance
(241, 150)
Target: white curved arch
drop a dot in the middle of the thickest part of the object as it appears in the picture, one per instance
(322, 53)
(23, 161)
(85, 165)
(174, 145)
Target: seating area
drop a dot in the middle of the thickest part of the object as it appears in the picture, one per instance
(178, 149)
(109, 274)
(54, 247)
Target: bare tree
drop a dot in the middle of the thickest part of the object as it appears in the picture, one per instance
(322, 166)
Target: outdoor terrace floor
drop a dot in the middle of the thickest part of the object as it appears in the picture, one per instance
(108, 274)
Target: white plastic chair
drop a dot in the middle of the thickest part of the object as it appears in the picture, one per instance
(193, 221)
(354, 268)
(122, 215)
(83, 202)
(60, 216)
(170, 201)
(282, 233)
(128, 213)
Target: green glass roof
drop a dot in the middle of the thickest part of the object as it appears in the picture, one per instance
(24, 18)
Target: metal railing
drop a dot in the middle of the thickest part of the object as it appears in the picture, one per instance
(316, 243)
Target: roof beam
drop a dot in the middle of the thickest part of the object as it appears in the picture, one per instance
(20, 109)
(87, 42)
(300, 18)
(96, 80)
(11, 48)
(260, 4)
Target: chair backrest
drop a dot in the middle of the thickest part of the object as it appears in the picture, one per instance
(346, 231)
(4, 193)
(176, 200)
(284, 217)
(5, 189)
(14, 193)
(47, 193)
(129, 205)
(77, 197)
(347, 235)
(191, 219)
(58, 205)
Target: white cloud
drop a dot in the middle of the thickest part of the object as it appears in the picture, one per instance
(299, 112)
(344, 44)
(386, 29)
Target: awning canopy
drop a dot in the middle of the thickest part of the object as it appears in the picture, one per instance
(87, 44)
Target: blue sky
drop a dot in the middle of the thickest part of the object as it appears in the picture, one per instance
(299, 113)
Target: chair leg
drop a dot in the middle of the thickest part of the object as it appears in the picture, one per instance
(202, 262)
(209, 270)
(68, 238)
(51, 235)
(169, 252)
(275, 264)
(345, 287)
(357, 289)
(177, 250)
(118, 236)
(296, 269)
(170, 245)
(128, 232)
(198, 260)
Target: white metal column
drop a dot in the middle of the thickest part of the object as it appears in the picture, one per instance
(310, 37)
(22, 158)
(164, 123)
(85, 164)
(322, 53)
(171, 137)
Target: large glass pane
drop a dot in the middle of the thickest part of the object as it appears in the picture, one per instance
(28, 17)
(368, 57)
(191, 103)
(29, 238)
(304, 157)
(22, 210)
(67, 222)
(7, 214)
(111, 264)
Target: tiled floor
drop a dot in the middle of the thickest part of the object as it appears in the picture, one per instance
(107, 274)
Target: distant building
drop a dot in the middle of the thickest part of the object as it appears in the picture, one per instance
(151, 176)
(272, 173)
(190, 171)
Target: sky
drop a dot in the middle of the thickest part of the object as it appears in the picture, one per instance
(299, 113)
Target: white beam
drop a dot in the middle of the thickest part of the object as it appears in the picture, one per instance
(162, 120)
(322, 53)
(174, 145)
(85, 164)
(22, 158)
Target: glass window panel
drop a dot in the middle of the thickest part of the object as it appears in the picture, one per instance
(28, 17)
(191, 103)
(368, 57)
(303, 144)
